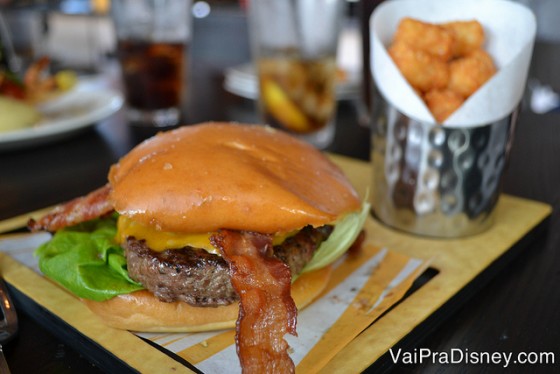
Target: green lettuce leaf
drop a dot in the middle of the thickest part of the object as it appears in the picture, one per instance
(343, 236)
(86, 260)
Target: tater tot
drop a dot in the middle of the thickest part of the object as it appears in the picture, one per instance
(443, 63)
(468, 36)
(467, 74)
(442, 103)
(430, 38)
(423, 71)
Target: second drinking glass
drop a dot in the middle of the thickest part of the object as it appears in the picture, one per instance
(294, 46)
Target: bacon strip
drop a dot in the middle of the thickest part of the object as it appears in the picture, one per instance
(81, 209)
(266, 311)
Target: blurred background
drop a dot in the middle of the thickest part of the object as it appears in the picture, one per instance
(78, 34)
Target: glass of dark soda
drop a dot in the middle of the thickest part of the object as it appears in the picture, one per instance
(152, 47)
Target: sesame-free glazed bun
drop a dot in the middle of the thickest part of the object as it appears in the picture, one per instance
(212, 176)
(142, 311)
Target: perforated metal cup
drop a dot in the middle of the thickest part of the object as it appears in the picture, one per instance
(433, 180)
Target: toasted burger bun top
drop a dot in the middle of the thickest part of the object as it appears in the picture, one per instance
(210, 176)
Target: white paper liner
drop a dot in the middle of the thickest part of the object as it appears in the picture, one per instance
(510, 30)
(311, 329)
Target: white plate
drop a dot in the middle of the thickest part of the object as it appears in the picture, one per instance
(77, 110)
(242, 81)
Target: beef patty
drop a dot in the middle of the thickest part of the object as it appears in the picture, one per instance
(200, 278)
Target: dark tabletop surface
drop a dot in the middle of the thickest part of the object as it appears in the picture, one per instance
(516, 310)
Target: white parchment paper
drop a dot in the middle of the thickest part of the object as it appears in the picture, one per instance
(510, 30)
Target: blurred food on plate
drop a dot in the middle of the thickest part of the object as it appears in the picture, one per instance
(41, 85)
(16, 114)
(38, 84)
(20, 96)
(444, 63)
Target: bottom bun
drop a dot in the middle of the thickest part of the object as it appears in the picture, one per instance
(142, 311)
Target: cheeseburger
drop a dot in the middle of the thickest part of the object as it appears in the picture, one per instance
(203, 226)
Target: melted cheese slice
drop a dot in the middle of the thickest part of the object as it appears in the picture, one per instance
(161, 240)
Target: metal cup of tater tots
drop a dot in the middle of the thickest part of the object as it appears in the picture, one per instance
(449, 79)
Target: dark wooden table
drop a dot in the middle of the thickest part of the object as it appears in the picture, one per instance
(516, 308)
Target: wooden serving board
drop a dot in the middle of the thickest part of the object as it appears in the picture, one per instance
(457, 263)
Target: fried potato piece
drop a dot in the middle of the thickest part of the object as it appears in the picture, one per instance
(442, 103)
(468, 36)
(422, 70)
(468, 74)
(443, 63)
(432, 39)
